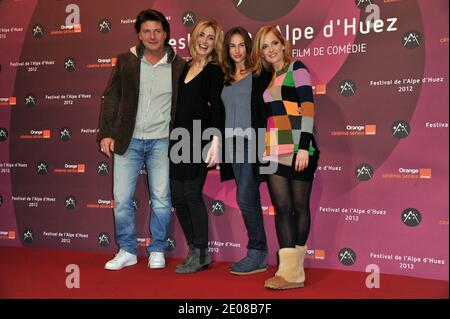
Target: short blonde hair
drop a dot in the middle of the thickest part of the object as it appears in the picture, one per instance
(258, 43)
(216, 54)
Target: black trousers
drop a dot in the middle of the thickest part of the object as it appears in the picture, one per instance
(187, 199)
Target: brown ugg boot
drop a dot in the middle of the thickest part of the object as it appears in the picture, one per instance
(288, 275)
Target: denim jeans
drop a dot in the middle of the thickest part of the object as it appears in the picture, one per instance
(248, 197)
(154, 154)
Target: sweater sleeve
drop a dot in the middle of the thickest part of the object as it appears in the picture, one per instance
(304, 91)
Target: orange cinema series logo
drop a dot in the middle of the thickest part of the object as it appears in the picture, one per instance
(409, 173)
(425, 173)
(144, 242)
(102, 203)
(103, 63)
(320, 89)
(8, 101)
(67, 29)
(371, 129)
(319, 254)
(71, 168)
(8, 234)
(37, 134)
(315, 254)
(268, 210)
(356, 130)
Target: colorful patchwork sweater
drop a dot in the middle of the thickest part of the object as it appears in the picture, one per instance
(290, 114)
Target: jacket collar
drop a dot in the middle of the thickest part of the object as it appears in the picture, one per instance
(138, 51)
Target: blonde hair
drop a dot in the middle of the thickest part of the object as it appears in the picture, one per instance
(258, 43)
(216, 54)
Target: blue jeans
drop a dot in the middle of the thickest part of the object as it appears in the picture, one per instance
(154, 154)
(248, 197)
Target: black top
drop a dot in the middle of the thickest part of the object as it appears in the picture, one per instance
(198, 100)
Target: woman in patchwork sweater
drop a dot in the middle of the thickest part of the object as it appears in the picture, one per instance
(291, 146)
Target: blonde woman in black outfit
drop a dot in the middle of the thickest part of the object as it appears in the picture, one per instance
(198, 104)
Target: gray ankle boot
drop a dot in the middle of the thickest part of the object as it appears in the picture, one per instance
(200, 260)
(188, 257)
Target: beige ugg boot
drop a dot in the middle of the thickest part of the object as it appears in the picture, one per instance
(289, 274)
(302, 252)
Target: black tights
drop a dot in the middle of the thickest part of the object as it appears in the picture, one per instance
(291, 200)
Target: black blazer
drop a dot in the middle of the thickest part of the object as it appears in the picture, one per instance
(258, 119)
(198, 100)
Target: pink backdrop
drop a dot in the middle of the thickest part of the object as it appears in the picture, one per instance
(380, 193)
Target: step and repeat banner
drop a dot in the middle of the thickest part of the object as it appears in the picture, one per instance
(380, 75)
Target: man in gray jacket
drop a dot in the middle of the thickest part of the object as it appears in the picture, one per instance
(137, 111)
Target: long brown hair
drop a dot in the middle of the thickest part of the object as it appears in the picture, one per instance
(216, 54)
(229, 66)
(258, 43)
